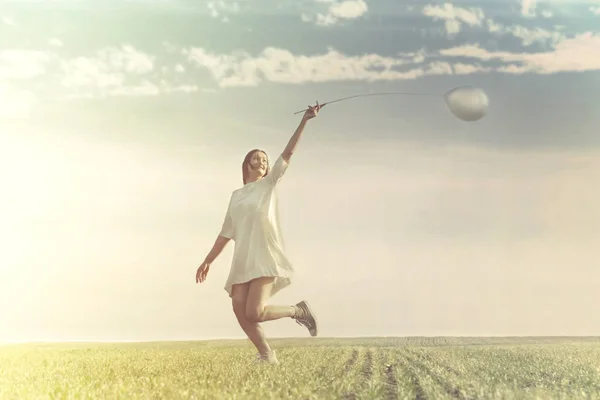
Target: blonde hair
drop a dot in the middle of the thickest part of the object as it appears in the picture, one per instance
(247, 162)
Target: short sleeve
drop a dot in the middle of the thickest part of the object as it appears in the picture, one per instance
(227, 227)
(277, 171)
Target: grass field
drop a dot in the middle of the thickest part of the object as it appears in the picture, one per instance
(319, 368)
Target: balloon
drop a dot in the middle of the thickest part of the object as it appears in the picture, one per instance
(467, 103)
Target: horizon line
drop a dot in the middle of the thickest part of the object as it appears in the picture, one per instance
(118, 341)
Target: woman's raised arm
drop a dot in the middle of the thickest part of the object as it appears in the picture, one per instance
(291, 146)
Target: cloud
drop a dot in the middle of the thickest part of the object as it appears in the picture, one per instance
(528, 8)
(578, 54)
(112, 71)
(107, 70)
(570, 55)
(87, 72)
(127, 71)
(280, 65)
(145, 88)
(348, 9)
(468, 69)
(547, 14)
(220, 9)
(455, 16)
(19, 64)
(8, 21)
(337, 11)
(54, 42)
(528, 36)
(127, 59)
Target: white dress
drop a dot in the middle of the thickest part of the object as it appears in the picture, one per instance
(252, 222)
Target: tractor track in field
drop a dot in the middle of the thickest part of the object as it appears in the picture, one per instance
(392, 384)
(414, 379)
(366, 371)
(448, 368)
(367, 367)
(347, 368)
(351, 361)
(452, 390)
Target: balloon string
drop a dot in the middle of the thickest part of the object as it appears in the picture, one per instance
(371, 94)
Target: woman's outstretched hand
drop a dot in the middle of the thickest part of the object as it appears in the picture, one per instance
(311, 112)
(202, 272)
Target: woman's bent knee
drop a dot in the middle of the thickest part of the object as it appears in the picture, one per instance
(255, 315)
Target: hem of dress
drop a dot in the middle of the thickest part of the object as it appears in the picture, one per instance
(281, 282)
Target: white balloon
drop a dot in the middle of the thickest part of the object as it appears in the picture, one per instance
(467, 103)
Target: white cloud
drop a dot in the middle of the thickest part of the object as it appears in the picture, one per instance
(528, 8)
(87, 72)
(348, 9)
(578, 54)
(8, 21)
(528, 36)
(191, 89)
(107, 71)
(468, 69)
(494, 27)
(306, 17)
(120, 71)
(18, 64)
(54, 42)
(127, 59)
(220, 9)
(114, 71)
(337, 11)
(325, 19)
(146, 88)
(595, 10)
(455, 16)
(279, 65)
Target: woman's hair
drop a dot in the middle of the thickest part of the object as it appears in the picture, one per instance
(247, 162)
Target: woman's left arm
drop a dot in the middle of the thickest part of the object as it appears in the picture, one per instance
(291, 146)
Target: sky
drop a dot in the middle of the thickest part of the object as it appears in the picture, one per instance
(123, 125)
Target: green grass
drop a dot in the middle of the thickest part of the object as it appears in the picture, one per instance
(319, 368)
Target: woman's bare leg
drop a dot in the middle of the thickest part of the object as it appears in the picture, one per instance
(257, 309)
(252, 329)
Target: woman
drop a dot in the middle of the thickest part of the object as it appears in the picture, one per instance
(259, 268)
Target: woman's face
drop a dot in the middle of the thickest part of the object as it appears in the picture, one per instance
(259, 162)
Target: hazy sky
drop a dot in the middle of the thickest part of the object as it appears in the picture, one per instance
(123, 125)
